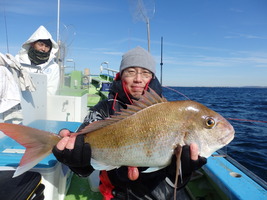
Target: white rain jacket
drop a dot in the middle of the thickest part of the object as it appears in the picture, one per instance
(50, 68)
(9, 89)
(13, 78)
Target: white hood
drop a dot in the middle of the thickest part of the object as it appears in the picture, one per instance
(40, 34)
(50, 68)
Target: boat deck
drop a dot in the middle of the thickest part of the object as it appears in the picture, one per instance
(80, 190)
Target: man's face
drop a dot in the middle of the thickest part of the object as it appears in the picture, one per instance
(40, 46)
(135, 80)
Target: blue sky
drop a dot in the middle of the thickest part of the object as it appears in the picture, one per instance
(205, 42)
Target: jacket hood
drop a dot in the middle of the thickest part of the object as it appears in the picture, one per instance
(40, 34)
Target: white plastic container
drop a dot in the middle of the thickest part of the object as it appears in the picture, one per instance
(55, 176)
(56, 180)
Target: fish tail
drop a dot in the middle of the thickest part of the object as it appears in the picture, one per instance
(38, 144)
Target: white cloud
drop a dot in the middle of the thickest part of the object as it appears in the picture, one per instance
(243, 35)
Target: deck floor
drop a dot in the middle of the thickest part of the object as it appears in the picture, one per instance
(80, 190)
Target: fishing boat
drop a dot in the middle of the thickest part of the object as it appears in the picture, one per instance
(67, 108)
(221, 178)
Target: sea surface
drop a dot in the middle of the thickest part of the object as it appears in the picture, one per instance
(249, 146)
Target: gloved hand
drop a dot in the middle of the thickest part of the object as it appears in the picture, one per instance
(78, 159)
(188, 165)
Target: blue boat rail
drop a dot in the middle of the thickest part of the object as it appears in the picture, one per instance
(246, 171)
(233, 179)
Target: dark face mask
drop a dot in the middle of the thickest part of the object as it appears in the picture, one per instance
(38, 57)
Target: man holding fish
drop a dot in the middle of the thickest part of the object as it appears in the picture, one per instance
(144, 146)
(137, 74)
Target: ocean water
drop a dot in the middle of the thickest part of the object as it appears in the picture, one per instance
(249, 146)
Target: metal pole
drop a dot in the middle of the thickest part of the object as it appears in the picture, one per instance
(161, 63)
(59, 60)
(148, 35)
(58, 14)
(7, 46)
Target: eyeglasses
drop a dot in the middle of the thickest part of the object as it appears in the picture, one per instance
(131, 72)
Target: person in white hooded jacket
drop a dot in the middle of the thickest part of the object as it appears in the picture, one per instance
(38, 55)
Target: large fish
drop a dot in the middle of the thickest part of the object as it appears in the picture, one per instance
(145, 134)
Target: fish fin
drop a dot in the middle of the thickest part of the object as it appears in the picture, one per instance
(38, 144)
(154, 97)
(101, 166)
(152, 169)
(95, 126)
(148, 99)
(27, 166)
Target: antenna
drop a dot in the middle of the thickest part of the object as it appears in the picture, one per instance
(65, 36)
(161, 58)
(143, 10)
(7, 46)
(58, 15)
(59, 53)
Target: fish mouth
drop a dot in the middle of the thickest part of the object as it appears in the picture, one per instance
(227, 138)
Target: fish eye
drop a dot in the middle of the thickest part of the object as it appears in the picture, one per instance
(210, 122)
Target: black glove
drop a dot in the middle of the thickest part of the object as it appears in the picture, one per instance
(188, 165)
(78, 159)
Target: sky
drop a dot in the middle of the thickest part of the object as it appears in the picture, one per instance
(205, 42)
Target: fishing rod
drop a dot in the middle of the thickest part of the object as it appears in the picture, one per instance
(246, 120)
(177, 92)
